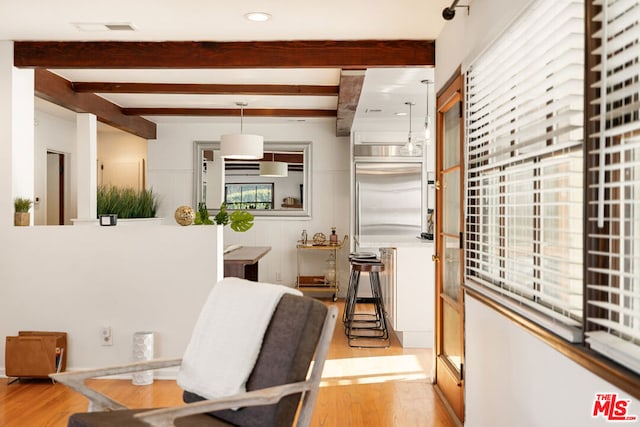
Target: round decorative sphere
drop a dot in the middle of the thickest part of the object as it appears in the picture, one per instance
(319, 238)
(185, 215)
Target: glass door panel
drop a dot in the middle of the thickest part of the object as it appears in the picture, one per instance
(451, 188)
(452, 136)
(449, 255)
(451, 268)
(451, 348)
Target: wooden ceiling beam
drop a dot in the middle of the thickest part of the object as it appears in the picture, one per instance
(229, 112)
(59, 91)
(349, 54)
(350, 88)
(206, 89)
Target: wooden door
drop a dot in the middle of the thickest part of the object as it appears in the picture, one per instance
(449, 243)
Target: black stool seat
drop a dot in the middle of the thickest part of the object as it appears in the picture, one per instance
(368, 327)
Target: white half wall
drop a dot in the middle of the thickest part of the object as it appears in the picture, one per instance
(79, 279)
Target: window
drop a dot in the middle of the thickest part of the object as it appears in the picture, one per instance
(613, 210)
(524, 182)
(249, 196)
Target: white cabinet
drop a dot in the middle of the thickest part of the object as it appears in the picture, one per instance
(408, 289)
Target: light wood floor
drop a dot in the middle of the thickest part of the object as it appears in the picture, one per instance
(361, 388)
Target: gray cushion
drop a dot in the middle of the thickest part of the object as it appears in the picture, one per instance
(286, 354)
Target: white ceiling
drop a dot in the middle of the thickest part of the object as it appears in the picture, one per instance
(200, 20)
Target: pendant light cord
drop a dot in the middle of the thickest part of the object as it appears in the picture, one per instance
(241, 118)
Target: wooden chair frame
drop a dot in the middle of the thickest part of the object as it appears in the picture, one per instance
(165, 417)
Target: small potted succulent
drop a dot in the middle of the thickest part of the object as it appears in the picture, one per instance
(21, 216)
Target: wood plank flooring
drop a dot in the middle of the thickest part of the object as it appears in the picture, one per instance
(361, 388)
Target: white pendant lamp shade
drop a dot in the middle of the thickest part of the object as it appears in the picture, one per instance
(241, 146)
(275, 169)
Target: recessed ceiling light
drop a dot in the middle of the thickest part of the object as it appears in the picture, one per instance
(257, 16)
(400, 114)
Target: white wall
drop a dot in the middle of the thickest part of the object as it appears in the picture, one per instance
(464, 37)
(122, 159)
(511, 378)
(514, 379)
(171, 175)
(80, 278)
(55, 134)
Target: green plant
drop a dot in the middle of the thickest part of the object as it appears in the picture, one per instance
(126, 202)
(238, 220)
(22, 204)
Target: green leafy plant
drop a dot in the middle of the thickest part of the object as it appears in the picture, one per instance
(22, 204)
(126, 202)
(202, 216)
(238, 220)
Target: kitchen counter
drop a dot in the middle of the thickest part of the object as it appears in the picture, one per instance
(376, 242)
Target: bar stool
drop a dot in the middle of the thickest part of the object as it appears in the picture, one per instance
(369, 327)
(354, 278)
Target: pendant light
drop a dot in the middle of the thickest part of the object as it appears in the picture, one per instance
(273, 168)
(427, 119)
(239, 145)
(410, 148)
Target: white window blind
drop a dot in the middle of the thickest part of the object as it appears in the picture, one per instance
(613, 285)
(524, 121)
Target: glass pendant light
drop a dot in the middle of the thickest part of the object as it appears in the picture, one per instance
(410, 148)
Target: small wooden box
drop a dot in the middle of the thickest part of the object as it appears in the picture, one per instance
(35, 354)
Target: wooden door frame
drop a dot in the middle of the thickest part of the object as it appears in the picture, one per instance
(61, 185)
(449, 385)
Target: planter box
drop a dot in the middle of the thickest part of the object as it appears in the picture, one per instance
(21, 218)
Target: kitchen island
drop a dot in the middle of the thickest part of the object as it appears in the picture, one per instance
(408, 286)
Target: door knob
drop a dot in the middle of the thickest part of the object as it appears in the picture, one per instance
(435, 258)
(437, 184)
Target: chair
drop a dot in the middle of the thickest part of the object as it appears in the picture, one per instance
(299, 327)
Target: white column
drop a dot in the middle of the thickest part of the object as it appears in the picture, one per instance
(16, 133)
(86, 165)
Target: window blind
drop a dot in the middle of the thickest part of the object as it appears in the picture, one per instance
(524, 121)
(613, 278)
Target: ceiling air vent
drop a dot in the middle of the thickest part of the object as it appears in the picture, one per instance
(100, 26)
(120, 27)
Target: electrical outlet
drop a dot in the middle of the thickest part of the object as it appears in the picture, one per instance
(105, 336)
(278, 277)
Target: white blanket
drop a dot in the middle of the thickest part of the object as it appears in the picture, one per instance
(228, 336)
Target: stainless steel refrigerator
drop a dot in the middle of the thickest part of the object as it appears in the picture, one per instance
(388, 203)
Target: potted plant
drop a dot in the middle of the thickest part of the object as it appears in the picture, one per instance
(21, 216)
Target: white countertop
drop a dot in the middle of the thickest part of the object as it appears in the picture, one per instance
(376, 242)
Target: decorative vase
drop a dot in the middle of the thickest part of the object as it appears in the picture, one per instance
(143, 351)
(21, 218)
